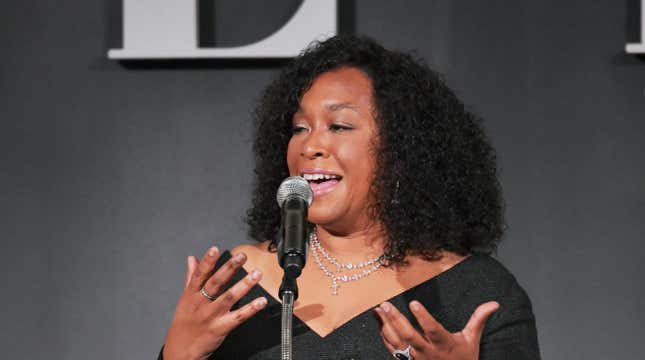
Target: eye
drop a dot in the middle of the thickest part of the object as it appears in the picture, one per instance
(339, 127)
(297, 129)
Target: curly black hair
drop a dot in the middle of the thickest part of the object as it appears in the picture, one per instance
(436, 186)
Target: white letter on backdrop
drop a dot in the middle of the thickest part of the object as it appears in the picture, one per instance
(167, 29)
(639, 48)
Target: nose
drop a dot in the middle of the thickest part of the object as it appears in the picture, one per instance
(315, 146)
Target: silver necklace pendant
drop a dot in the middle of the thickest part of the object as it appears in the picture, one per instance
(364, 268)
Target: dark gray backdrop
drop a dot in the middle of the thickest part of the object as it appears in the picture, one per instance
(112, 173)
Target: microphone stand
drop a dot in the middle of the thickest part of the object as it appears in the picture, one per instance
(288, 294)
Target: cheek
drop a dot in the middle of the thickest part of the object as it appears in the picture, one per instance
(292, 156)
(358, 161)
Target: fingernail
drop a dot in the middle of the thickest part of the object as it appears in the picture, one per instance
(238, 258)
(212, 251)
(414, 306)
(260, 302)
(385, 307)
(255, 274)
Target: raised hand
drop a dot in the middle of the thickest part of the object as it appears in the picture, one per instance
(434, 342)
(200, 324)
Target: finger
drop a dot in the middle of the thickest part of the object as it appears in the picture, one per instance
(432, 329)
(223, 275)
(234, 318)
(191, 265)
(387, 344)
(475, 325)
(391, 347)
(225, 301)
(390, 336)
(204, 269)
(406, 332)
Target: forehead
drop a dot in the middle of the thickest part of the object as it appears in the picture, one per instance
(346, 87)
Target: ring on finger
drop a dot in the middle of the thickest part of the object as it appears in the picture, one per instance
(207, 295)
(403, 354)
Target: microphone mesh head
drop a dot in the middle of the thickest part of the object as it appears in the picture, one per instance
(295, 185)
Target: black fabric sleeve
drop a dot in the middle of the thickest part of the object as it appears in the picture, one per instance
(510, 333)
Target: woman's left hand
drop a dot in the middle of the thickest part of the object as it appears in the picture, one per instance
(435, 342)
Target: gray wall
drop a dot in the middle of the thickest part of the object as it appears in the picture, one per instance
(112, 173)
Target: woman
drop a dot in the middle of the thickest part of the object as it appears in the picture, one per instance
(406, 209)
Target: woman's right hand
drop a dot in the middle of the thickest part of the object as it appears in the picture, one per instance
(200, 325)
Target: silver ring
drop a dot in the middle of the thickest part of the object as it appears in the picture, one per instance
(206, 295)
(403, 354)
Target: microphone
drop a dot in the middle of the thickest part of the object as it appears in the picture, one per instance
(294, 198)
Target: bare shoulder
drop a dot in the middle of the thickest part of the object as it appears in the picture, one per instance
(256, 253)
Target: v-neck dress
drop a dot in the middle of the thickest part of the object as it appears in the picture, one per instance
(451, 297)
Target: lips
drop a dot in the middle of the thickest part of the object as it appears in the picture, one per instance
(321, 181)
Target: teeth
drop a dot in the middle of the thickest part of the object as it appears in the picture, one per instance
(319, 176)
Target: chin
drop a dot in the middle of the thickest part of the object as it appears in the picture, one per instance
(320, 218)
(320, 215)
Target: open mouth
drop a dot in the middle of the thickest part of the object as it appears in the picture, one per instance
(322, 183)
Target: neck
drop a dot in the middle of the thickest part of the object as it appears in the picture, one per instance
(356, 246)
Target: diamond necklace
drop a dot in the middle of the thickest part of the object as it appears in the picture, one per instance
(365, 267)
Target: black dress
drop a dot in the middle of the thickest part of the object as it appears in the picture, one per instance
(451, 297)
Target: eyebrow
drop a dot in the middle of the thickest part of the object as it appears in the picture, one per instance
(341, 106)
(337, 107)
